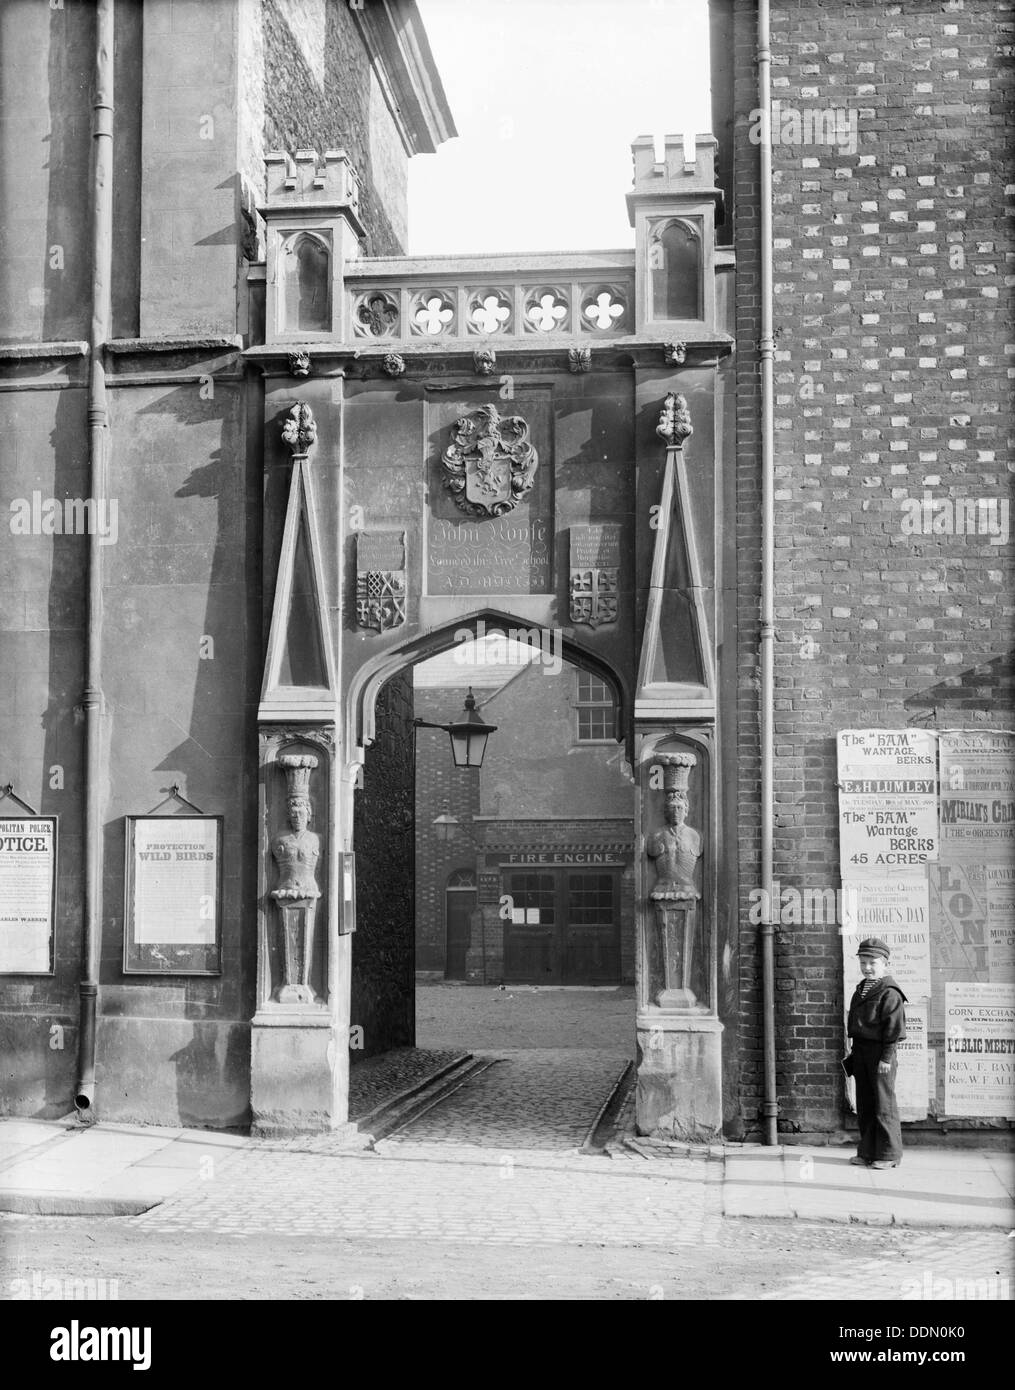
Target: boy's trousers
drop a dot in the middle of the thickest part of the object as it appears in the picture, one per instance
(877, 1111)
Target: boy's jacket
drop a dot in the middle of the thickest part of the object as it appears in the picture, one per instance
(880, 1017)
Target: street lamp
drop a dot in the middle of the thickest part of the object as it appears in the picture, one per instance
(446, 827)
(468, 734)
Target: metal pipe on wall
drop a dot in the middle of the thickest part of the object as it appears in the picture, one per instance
(98, 437)
(766, 653)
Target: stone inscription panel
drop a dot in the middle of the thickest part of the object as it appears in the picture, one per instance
(509, 554)
(595, 547)
(380, 550)
(503, 555)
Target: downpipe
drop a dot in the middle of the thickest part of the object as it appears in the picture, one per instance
(766, 643)
(98, 438)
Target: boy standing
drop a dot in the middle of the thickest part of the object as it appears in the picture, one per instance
(877, 1022)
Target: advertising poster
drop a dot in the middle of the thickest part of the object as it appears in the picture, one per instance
(887, 801)
(977, 797)
(979, 1054)
(898, 911)
(912, 1083)
(27, 894)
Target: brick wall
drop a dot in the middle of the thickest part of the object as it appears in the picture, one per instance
(440, 787)
(892, 314)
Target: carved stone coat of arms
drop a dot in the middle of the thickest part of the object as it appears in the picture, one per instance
(490, 464)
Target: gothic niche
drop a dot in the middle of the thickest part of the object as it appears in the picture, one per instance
(490, 463)
(296, 853)
(306, 284)
(676, 959)
(674, 264)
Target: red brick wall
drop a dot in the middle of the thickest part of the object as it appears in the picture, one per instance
(440, 786)
(892, 317)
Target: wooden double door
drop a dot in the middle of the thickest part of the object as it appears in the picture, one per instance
(564, 927)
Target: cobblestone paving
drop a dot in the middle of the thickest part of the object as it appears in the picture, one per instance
(662, 1208)
(377, 1079)
(493, 1202)
(530, 1100)
(496, 1164)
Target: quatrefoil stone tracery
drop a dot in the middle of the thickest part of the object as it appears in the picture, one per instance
(604, 310)
(490, 313)
(546, 311)
(377, 315)
(434, 315)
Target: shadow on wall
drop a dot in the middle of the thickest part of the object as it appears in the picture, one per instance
(988, 688)
(207, 1084)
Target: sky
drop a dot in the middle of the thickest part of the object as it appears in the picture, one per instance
(547, 96)
(490, 660)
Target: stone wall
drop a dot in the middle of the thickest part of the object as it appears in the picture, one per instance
(383, 997)
(892, 315)
(46, 61)
(320, 94)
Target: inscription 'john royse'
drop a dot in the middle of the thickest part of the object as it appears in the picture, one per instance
(506, 555)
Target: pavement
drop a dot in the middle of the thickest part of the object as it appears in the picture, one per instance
(61, 1168)
(555, 1056)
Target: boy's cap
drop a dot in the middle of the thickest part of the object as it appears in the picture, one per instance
(874, 946)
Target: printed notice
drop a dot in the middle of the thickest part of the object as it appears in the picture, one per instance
(912, 1082)
(898, 911)
(994, 885)
(980, 1050)
(978, 798)
(175, 880)
(27, 879)
(887, 801)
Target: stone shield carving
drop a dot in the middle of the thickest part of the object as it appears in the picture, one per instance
(490, 464)
(380, 579)
(595, 573)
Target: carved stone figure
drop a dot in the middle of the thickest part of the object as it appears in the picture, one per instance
(674, 354)
(490, 462)
(675, 851)
(393, 364)
(296, 893)
(676, 848)
(484, 361)
(299, 364)
(579, 359)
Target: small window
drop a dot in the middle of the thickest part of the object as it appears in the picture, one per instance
(675, 272)
(595, 708)
(462, 878)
